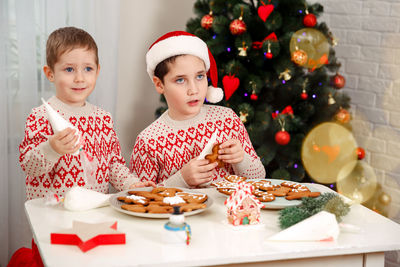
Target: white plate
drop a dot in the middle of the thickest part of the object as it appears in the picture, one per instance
(281, 202)
(116, 204)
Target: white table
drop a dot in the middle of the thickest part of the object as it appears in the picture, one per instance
(213, 241)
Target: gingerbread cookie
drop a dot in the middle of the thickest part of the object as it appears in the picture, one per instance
(146, 194)
(226, 191)
(193, 197)
(166, 192)
(300, 195)
(214, 156)
(133, 199)
(235, 178)
(134, 208)
(154, 208)
(266, 197)
(281, 191)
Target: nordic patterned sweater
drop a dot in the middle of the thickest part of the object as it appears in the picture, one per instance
(49, 172)
(166, 145)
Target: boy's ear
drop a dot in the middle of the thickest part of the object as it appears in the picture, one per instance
(49, 73)
(158, 84)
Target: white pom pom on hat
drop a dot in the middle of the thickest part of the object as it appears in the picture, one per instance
(183, 43)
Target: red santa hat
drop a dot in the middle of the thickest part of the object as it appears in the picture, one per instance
(184, 43)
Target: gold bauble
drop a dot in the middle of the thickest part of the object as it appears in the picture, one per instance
(385, 199)
(314, 44)
(326, 149)
(357, 182)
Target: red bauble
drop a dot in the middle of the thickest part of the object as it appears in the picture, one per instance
(237, 27)
(360, 153)
(253, 97)
(268, 55)
(282, 137)
(309, 20)
(338, 81)
(207, 21)
(304, 95)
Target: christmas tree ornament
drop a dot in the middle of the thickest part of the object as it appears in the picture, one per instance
(331, 100)
(336, 149)
(243, 116)
(243, 50)
(282, 137)
(315, 46)
(338, 81)
(285, 75)
(299, 57)
(309, 20)
(253, 96)
(357, 182)
(304, 95)
(333, 39)
(360, 153)
(237, 26)
(265, 10)
(207, 21)
(343, 116)
(230, 84)
(385, 199)
(269, 54)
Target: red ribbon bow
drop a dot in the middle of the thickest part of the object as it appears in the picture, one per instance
(271, 36)
(288, 110)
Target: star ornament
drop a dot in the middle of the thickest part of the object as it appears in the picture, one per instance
(89, 235)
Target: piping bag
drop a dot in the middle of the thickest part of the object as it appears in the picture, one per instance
(58, 124)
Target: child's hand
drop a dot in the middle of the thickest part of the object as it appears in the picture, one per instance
(197, 172)
(142, 184)
(231, 151)
(65, 142)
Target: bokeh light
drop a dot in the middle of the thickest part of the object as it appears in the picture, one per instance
(326, 149)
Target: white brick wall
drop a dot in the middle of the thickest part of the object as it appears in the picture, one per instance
(368, 34)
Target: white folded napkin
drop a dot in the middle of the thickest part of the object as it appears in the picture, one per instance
(319, 227)
(80, 199)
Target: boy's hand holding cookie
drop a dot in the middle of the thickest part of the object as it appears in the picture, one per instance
(231, 151)
(198, 171)
(65, 141)
(142, 184)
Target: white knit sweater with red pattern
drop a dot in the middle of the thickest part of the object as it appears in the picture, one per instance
(166, 145)
(49, 172)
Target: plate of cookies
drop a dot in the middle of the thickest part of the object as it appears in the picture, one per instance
(158, 202)
(273, 193)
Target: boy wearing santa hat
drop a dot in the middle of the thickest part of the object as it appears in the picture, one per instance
(167, 151)
(48, 157)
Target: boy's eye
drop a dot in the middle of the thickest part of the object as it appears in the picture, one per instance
(88, 69)
(200, 76)
(69, 69)
(180, 80)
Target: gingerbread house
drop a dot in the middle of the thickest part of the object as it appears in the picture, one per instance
(242, 206)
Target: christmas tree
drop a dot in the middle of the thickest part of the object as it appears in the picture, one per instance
(277, 66)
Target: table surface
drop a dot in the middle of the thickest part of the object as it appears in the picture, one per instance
(213, 240)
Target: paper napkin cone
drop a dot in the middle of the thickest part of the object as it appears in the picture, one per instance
(319, 227)
(79, 199)
(57, 122)
(208, 147)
